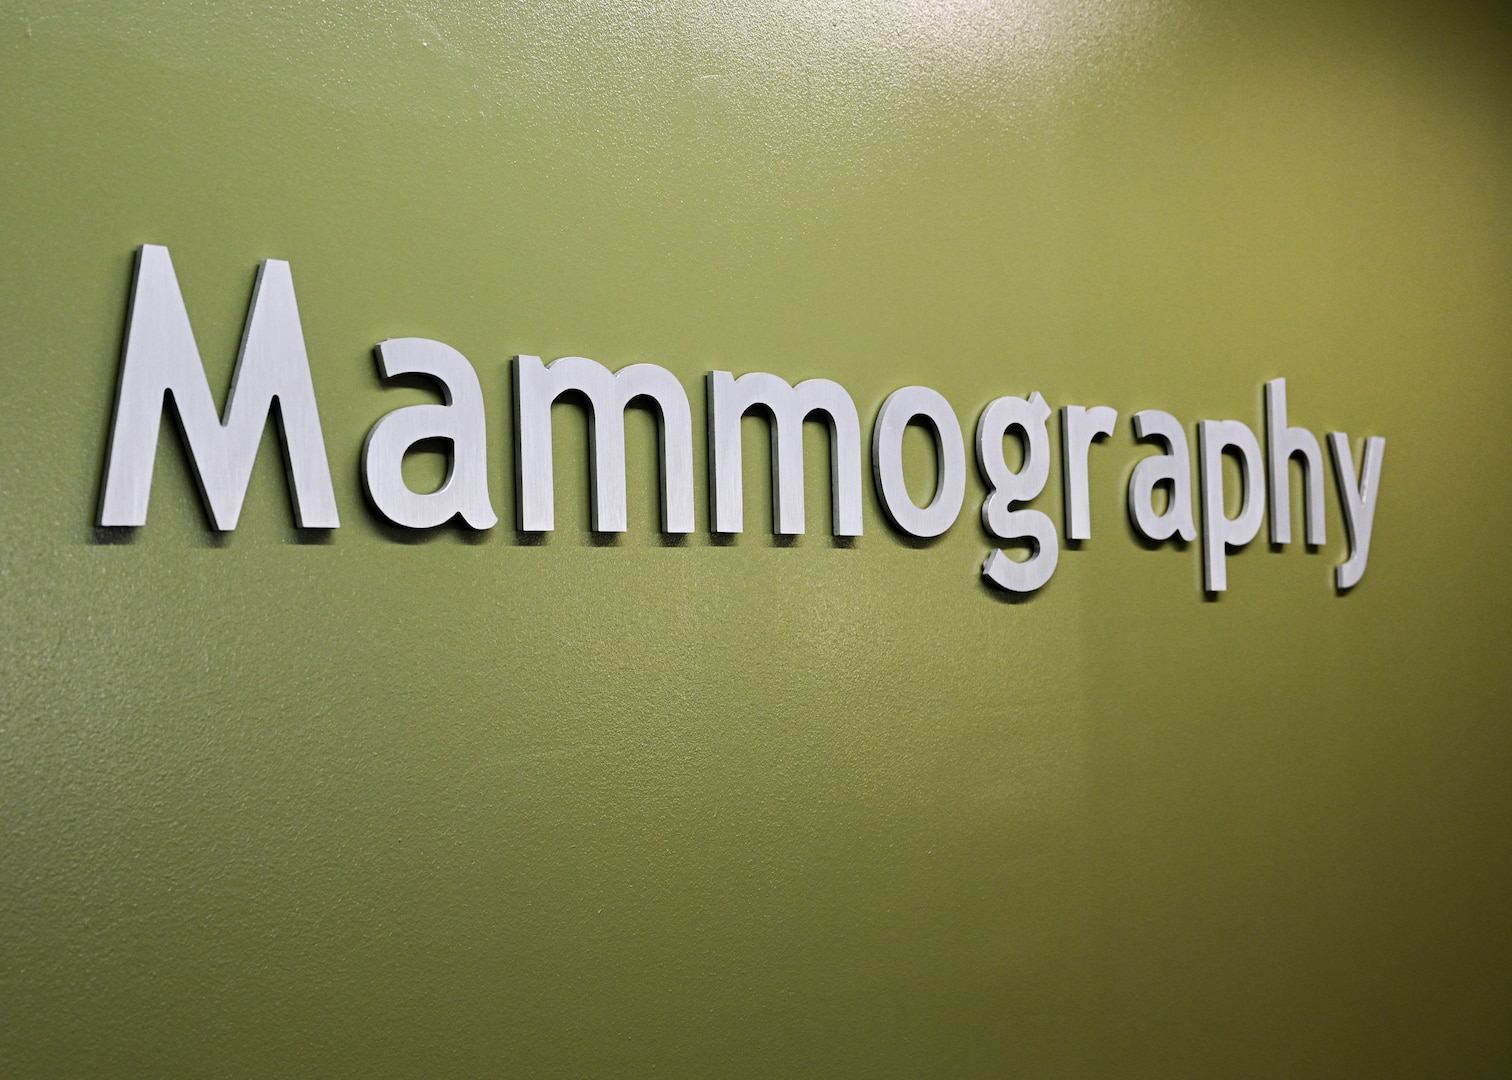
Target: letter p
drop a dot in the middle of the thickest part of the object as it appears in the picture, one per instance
(1219, 532)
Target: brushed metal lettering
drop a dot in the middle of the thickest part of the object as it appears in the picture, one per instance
(1079, 427)
(1282, 443)
(786, 407)
(1028, 418)
(900, 408)
(608, 394)
(1173, 467)
(460, 422)
(161, 360)
(1219, 532)
(1359, 501)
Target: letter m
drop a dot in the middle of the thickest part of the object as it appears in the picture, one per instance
(786, 408)
(161, 360)
(537, 386)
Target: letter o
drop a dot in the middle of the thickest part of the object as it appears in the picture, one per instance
(901, 407)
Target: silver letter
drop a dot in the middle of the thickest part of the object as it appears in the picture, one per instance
(1174, 466)
(1079, 427)
(787, 406)
(537, 386)
(1283, 443)
(1359, 504)
(460, 421)
(1218, 531)
(160, 357)
(900, 407)
(1008, 487)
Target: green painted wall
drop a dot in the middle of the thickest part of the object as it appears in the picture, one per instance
(460, 804)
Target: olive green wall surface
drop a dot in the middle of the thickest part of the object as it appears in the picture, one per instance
(385, 802)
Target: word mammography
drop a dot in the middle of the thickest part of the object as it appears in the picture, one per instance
(161, 361)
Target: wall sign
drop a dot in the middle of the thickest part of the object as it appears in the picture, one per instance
(160, 362)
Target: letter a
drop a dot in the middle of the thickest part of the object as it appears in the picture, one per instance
(460, 422)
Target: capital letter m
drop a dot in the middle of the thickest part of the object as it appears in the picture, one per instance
(160, 359)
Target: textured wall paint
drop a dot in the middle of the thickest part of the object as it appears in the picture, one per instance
(458, 804)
